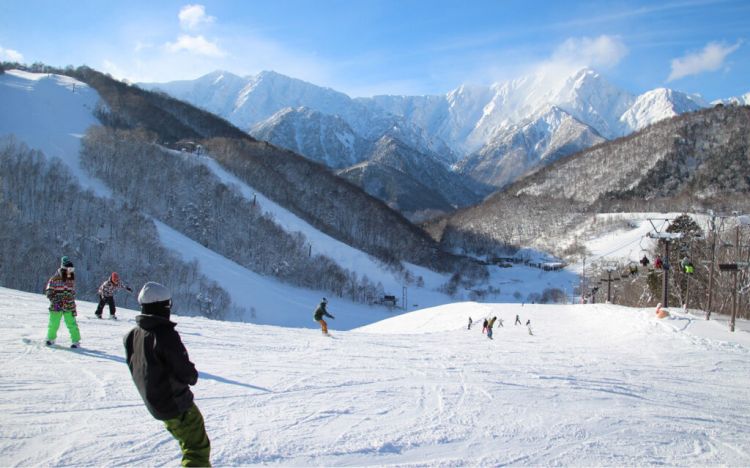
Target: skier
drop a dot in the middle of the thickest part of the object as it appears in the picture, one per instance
(489, 327)
(107, 295)
(321, 312)
(528, 325)
(518, 320)
(162, 373)
(470, 322)
(484, 326)
(500, 322)
(61, 292)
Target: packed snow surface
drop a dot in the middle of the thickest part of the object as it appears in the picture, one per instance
(595, 385)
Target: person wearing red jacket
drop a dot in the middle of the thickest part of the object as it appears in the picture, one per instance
(107, 295)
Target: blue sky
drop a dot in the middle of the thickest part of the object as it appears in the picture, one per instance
(368, 47)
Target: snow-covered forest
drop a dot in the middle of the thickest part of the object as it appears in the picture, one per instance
(55, 214)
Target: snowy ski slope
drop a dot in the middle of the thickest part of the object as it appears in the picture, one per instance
(595, 385)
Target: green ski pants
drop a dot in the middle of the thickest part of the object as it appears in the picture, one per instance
(190, 431)
(70, 322)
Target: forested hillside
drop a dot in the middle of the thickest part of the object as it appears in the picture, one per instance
(692, 162)
(46, 214)
(308, 189)
(151, 154)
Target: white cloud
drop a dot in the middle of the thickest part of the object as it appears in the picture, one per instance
(198, 45)
(600, 52)
(194, 16)
(10, 55)
(711, 58)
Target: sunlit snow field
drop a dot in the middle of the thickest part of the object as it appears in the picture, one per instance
(594, 385)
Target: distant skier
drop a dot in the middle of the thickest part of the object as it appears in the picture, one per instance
(162, 373)
(61, 292)
(528, 326)
(500, 322)
(107, 294)
(470, 322)
(321, 312)
(489, 327)
(518, 320)
(484, 326)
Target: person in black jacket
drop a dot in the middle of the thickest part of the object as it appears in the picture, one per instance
(321, 312)
(163, 373)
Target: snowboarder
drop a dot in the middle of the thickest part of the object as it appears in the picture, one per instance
(518, 320)
(107, 294)
(470, 322)
(162, 373)
(61, 292)
(321, 312)
(489, 327)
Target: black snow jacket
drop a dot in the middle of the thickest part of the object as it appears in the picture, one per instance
(160, 366)
(321, 312)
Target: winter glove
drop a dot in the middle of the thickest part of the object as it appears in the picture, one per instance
(128, 288)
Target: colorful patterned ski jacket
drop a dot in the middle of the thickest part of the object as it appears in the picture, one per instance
(61, 293)
(108, 288)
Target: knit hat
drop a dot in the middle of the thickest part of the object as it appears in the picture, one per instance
(324, 301)
(65, 262)
(155, 299)
(153, 292)
(114, 277)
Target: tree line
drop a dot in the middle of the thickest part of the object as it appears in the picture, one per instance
(46, 214)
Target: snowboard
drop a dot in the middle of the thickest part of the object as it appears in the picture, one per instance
(42, 344)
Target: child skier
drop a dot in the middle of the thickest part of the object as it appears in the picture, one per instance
(162, 373)
(321, 312)
(61, 292)
(107, 295)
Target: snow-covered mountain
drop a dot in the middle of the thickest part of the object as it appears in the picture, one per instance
(402, 177)
(468, 123)
(512, 151)
(743, 100)
(325, 138)
(51, 113)
(656, 105)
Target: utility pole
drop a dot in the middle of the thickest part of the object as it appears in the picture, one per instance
(665, 276)
(582, 287)
(712, 225)
(609, 281)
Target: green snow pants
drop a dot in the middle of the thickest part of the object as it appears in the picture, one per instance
(190, 431)
(70, 322)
